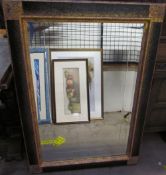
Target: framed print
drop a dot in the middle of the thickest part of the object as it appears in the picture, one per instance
(40, 74)
(70, 101)
(94, 57)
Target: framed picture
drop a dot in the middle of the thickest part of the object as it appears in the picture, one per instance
(70, 102)
(40, 75)
(94, 57)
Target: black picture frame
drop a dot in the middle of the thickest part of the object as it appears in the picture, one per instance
(53, 96)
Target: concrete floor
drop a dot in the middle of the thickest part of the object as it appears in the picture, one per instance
(152, 161)
(105, 137)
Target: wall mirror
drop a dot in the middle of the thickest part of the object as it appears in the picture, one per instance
(113, 52)
(83, 75)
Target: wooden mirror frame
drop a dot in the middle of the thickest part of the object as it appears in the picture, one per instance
(18, 13)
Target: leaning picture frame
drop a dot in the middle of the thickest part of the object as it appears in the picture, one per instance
(69, 89)
(40, 75)
(95, 75)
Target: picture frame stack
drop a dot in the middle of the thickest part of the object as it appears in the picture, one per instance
(82, 84)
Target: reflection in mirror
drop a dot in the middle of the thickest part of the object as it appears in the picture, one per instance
(84, 77)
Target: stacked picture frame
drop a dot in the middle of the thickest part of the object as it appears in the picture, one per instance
(93, 72)
(40, 74)
(70, 91)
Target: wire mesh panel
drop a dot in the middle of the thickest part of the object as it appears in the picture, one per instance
(121, 42)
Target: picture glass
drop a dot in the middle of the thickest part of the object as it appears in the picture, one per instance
(93, 86)
(71, 91)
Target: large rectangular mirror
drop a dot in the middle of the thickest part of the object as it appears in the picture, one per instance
(84, 78)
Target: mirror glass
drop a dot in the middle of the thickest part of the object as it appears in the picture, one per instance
(84, 77)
